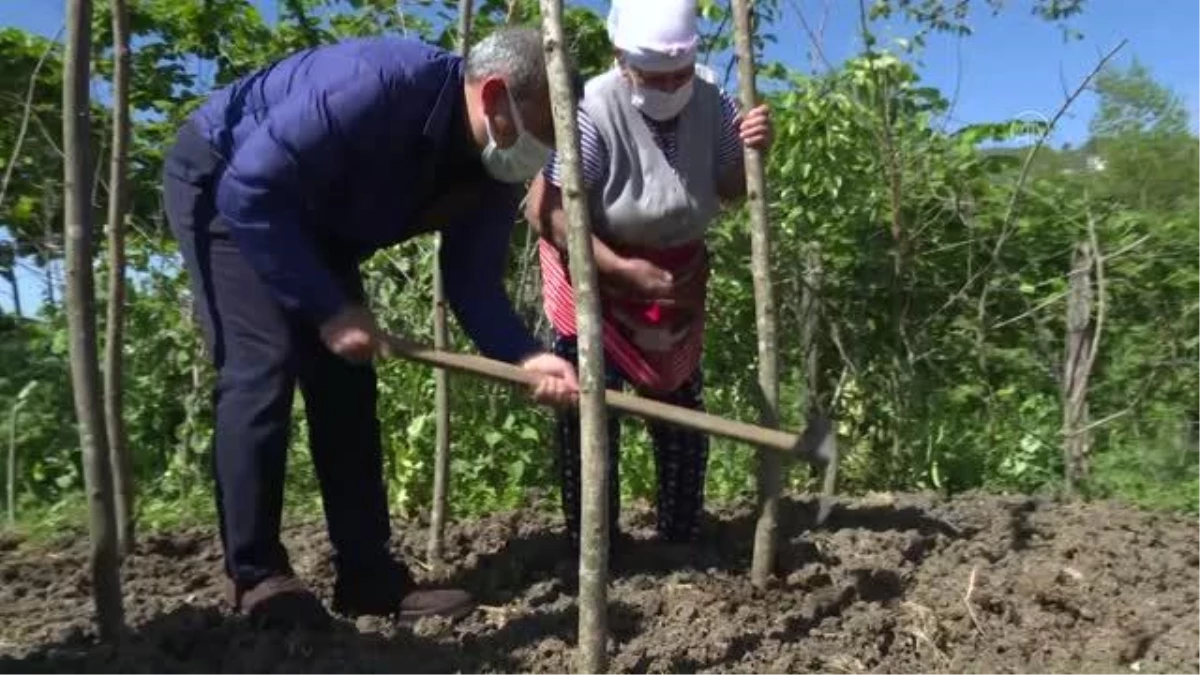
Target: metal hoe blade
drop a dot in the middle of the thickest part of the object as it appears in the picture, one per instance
(818, 444)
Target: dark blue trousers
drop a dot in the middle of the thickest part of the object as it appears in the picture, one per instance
(261, 352)
(680, 459)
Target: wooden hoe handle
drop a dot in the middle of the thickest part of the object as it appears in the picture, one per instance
(504, 372)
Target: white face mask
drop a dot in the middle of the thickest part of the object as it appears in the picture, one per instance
(520, 161)
(662, 105)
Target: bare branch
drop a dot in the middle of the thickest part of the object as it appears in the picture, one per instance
(1101, 305)
(1098, 423)
(46, 136)
(1126, 248)
(1007, 228)
(1033, 310)
(812, 37)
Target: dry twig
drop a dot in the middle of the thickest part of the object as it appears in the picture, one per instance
(967, 600)
(1007, 226)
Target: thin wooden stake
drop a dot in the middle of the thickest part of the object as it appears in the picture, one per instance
(81, 322)
(122, 466)
(1081, 332)
(593, 541)
(770, 464)
(441, 378)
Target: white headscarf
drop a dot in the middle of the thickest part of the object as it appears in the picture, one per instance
(655, 35)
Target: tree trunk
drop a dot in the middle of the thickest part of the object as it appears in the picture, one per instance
(1080, 335)
(441, 378)
(81, 323)
(593, 543)
(114, 339)
(770, 464)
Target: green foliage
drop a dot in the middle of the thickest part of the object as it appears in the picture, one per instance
(30, 112)
(1142, 124)
(940, 299)
(952, 16)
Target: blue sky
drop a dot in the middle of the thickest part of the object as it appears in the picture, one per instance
(1013, 65)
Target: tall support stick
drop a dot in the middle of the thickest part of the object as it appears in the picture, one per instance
(1081, 335)
(441, 378)
(122, 469)
(770, 465)
(593, 542)
(81, 321)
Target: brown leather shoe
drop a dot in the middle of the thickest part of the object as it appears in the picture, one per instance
(451, 603)
(278, 601)
(389, 591)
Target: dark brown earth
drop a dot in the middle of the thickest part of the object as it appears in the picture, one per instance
(889, 584)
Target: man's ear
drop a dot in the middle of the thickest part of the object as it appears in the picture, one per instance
(491, 93)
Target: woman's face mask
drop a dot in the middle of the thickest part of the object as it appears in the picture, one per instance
(661, 95)
(520, 161)
(662, 105)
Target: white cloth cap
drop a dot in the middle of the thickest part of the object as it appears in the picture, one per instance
(655, 35)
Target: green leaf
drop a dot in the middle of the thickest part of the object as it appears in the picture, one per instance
(416, 428)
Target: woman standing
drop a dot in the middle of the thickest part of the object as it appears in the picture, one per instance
(662, 151)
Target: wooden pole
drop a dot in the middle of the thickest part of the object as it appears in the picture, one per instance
(441, 377)
(593, 542)
(81, 322)
(1077, 367)
(770, 465)
(122, 469)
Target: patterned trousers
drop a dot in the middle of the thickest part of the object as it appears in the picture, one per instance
(680, 455)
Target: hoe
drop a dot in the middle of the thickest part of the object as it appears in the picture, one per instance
(817, 445)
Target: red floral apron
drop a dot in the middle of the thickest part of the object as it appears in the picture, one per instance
(657, 347)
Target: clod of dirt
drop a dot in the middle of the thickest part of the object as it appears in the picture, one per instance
(9, 541)
(892, 583)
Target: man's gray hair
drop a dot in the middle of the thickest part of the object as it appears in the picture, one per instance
(517, 55)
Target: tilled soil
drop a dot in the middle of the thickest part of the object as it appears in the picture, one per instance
(888, 584)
